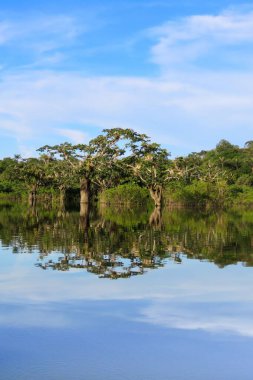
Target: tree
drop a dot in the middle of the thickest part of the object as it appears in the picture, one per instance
(60, 174)
(149, 163)
(96, 163)
(30, 171)
(8, 183)
(185, 169)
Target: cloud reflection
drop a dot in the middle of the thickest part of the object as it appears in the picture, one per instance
(209, 317)
(193, 296)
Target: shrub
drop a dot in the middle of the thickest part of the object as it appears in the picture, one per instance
(245, 197)
(126, 194)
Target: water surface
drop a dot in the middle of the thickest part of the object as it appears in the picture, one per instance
(125, 294)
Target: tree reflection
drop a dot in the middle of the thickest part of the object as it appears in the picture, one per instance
(155, 219)
(117, 243)
(84, 216)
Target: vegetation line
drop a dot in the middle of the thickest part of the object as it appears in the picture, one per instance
(125, 167)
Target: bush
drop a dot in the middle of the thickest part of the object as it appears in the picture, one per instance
(245, 179)
(245, 197)
(198, 193)
(126, 194)
(6, 187)
(235, 190)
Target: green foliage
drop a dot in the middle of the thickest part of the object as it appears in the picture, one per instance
(6, 186)
(99, 162)
(217, 177)
(221, 176)
(245, 179)
(197, 192)
(31, 172)
(244, 197)
(127, 194)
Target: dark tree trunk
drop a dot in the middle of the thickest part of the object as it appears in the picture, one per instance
(84, 203)
(156, 194)
(32, 196)
(85, 190)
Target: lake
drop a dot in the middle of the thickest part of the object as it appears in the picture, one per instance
(125, 294)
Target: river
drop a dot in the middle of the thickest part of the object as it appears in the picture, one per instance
(124, 295)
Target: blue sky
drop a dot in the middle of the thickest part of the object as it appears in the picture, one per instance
(180, 72)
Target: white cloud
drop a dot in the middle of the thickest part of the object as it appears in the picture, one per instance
(193, 37)
(43, 32)
(186, 107)
(187, 114)
(40, 39)
(5, 32)
(76, 137)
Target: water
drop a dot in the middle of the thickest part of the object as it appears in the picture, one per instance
(132, 296)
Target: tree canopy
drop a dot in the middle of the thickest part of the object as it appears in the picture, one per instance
(122, 156)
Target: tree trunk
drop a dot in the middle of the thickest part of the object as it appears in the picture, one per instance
(32, 196)
(62, 197)
(156, 194)
(85, 190)
(84, 203)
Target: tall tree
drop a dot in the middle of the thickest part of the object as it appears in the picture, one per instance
(96, 163)
(149, 163)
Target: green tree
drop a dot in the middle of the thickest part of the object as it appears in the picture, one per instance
(95, 164)
(148, 163)
(32, 173)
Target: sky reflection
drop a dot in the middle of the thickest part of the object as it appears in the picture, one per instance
(192, 296)
(188, 321)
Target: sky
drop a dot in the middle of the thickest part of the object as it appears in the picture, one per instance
(179, 71)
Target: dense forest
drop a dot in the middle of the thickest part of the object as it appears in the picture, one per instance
(123, 166)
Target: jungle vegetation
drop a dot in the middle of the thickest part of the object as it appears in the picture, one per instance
(123, 166)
